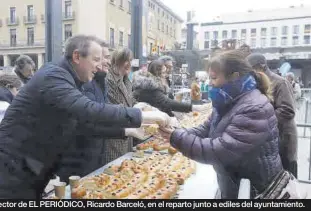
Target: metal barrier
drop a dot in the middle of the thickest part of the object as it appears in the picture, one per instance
(306, 93)
(301, 142)
(303, 112)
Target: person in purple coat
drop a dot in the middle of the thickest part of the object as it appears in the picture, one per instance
(241, 137)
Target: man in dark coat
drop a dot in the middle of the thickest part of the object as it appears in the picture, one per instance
(284, 106)
(87, 153)
(43, 116)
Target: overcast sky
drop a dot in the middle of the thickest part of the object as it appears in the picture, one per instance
(208, 9)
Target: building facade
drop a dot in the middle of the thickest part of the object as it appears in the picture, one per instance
(183, 40)
(163, 27)
(22, 25)
(280, 34)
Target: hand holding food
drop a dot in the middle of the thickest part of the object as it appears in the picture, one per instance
(138, 133)
(155, 117)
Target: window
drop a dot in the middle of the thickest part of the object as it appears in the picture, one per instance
(215, 35)
(284, 30)
(163, 14)
(150, 47)
(112, 37)
(130, 6)
(30, 13)
(253, 42)
(206, 44)
(111, 1)
(224, 34)
(162, 27)
(68, 31)
(174, 33)
(68, 9)
(284, 41)
(306, 40)
(243, 33)
(171, 20)
(253, 32)
(13, 37)
(234, 34)
(159, 28)
(12, 15)
(263, 32)
(295, 40)
(30, 36)
(206, 35)
(274, 31)
(129, 41)
(121, 43)
(166, 29)
(159, 10)
(214, 43)
(121, 3)
(263, 42)
(171, 31)
(307, 28)
(296, 29)
(273, 42)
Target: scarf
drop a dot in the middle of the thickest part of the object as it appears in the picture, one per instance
(223, 97)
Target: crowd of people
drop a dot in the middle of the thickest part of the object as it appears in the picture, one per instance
(74, 116)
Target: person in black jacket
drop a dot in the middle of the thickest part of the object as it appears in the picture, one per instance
(9, 87)
(43, 116)
(88, 153)
(150, 87)
(24, 68)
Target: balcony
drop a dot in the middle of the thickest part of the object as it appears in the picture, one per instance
(69, 16)
(30, 19)
(12, 22)
(22, 44)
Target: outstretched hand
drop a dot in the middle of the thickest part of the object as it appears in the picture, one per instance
(166, 133)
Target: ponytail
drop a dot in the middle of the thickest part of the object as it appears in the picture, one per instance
(263, 84)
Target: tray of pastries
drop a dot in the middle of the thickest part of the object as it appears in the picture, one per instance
(155, 144)
(157, 176)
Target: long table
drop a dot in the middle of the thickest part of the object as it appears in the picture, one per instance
(202, 185)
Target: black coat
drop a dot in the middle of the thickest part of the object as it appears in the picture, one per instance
(6, 95)
(86, 153)
(149, 89)
(39, 124)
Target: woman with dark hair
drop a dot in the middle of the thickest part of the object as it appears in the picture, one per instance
(150, 87)
(240, 139)
(119, 92)
(9, 87)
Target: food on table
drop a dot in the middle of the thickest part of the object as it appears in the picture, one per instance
(154, 177)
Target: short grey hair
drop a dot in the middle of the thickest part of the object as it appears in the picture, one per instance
(22, 61)
(166, 59)
(81, 43)
(103, 43)
(291, 75)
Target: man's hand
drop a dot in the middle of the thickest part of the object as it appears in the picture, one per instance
(145, 107)
(138, 133)
(155, 117)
